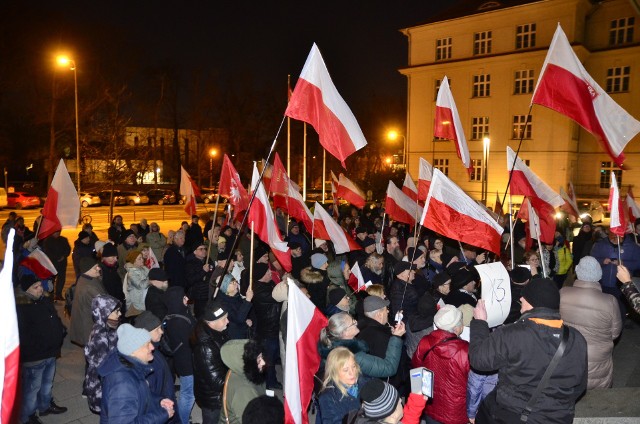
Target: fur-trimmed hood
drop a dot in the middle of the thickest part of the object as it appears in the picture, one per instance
(310, 276)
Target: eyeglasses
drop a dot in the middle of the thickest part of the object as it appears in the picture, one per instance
(355, 322)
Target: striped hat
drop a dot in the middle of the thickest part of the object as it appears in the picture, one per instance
(379, 399)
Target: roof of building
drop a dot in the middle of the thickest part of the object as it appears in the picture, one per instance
(473, 7)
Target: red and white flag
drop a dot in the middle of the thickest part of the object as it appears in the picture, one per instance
(279, 183)
(189, 190)
(40, 264)
(497, 207)
(425, 173)
(326, 228)
(304, 323)
(401, 207)
(543, 199)
(570, 205)
(298, 209)
(350, 192)
(316, 100)
(356, 279)
(632, 206)
(9, 339)
(62, 207)
(618, 223)
(264, 223)
(409, 187)
(448, 124)
(533, 225)
(335, 183)
(451, 212)
(566, 87)
(152, 260)
(231, 187)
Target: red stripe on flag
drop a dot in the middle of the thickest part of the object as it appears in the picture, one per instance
(10, 385)
(444, 125)
(50, 222)
(397, 212)
(520, 185)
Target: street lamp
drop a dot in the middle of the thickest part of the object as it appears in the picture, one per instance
(393, 136)
(65, 61)
(486, 143)
(212, 154)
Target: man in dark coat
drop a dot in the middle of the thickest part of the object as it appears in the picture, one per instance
(198, 274)
(391, 255)
(463, 287)
(57, 248)
(403, 296)
(208, 369)
(82, 248)
(110, 278)
(175, 261)
(299, 261)
(158, 284)
(194, 236)
(116, 229)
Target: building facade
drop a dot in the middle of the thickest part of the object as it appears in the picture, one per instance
(492, 53)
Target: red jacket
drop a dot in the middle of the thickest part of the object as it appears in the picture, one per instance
(449, 361)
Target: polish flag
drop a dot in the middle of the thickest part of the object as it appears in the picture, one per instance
(9, 339)
(279, 184)
(304, 323)
(189, 190)
(497, 207)
(543, 199)
(316, 101)
(401, 207)
(326, 228)
(618, 223)
(633, 208)
(566, 87)
(297, 209)
(266, 176)
(570, 206)
(231, 187)
(532, 229)
(409, 188)
(451, 212)
(264, 222)
(335, 183)
(448, 124)
(425, 173)
(350, 192)
(40, 264)
(356, 280)
(62, 207)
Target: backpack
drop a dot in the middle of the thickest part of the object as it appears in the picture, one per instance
(165, 321)
(68, 300)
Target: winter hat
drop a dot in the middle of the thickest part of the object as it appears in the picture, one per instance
(98, 246)
(319, 242)
(440, 279)
(86, 264)
(368, 241)
(448, 318)
(336, 295)
(259, 270)
(373, 303)
(127, 233)
(361, 229)
(318, 259)
(131, 339)
(462, 278)
(83, 235)
(427, 309)
(158, 274)
(213, 311)
(401, 267)
(109, 250)
(293, 245)
(132, 255)
(147, 320)
(226, 282)
(520, 275)
(221, 239)
(379, 399)
(589, 269)
(293, 224)
(542, 293)
(27, 280)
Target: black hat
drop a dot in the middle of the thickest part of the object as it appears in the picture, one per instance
(158, 274)
(147, 320)
(368, 241)
(413, 254)
(520, 275)
(86, 264)
(259, 251)
(401, 267)
(440, 279)
(427, 308)
(454, 267)
(259, 270)
(127, 233)
(462, 278)
(379, 399)
(213, 311)
(361, 229)
(225, 228)
(542, 293)
(27, 280)
(336, 295)
(82, 235)
(293, 245)
(109, 250)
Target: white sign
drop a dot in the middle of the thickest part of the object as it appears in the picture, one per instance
(496, 292)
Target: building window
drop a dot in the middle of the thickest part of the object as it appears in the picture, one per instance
(621, 31)
(438, 82)
(606, 168)
(479, 127)
(482, 43)
(521, 128)
(525, 36)
(442, 165)
(482, 85)
(476, 170)
(618, 79)
(443, 48)
(523, 82)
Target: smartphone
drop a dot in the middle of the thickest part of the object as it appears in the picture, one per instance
(399, 316)
(421, 381)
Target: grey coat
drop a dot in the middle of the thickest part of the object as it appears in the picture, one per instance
(81, 318)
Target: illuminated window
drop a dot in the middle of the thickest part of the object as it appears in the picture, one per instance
(476, 170)
(482, 85)
(479, 127)
(618, 79)
(523, 82)
(521, 128)
(443, 48)
(621, 31)
(442, 165)
(525, 36)
(606, 168)
(481, 43)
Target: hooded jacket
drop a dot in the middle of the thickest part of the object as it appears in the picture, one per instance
(103, 339)
(178, 325)
(136, 285)
(317, 285)
(80, 250)
(208, 369)
(81, 312)
(41, 330)
(238, 310)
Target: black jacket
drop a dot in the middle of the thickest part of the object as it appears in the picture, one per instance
(112, 282)
(388, 274)
(375, 335)
(403, 299)
(154, 302)
(178, 326)
(174, 263)
(208, 369)
(197, 279)
(238, 312)
(40, 327)
(267, 310)
(458, 298)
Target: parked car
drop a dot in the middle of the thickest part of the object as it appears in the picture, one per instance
(105, 197)
(89, 199)
(21, 199)
(135, 198)
(208, 195)
(161, 196)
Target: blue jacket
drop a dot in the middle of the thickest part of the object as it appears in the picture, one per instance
(126, 397)
(604, 249)
(333, 405)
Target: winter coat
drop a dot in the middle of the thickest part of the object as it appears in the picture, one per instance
(157, 242)
(449, 361)
(112, 282)
(564, 260)
(136, 283)
(375, 335)
(405, 299)
(238, 310)
(460, 297)
(127, 397)
(40, 328)
(115, 233)
(388, 274)
(317, 284)
(175, 263)
(240, 391)
(604, 249)
(193, 237)
(80, 250)
(597, 316)
(209, 371)
(267, 310)
(81, 312)
(371, 366)
(103, 339)
(177, 331)
(197, 279)
(154, 302)
(580, 242)
(521, 353)
(58, 250)
(334, 406)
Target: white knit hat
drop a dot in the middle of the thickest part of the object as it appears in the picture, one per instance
(448, 318)
(589, 269)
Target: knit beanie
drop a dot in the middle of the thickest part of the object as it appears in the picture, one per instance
(147, 320)
(133, 255)
(158, 274)
(543, 293)
(448, 318)
(319, 242)
(214, 311)
(259, 270)
(226, 281)
(589, 269)
(83, 235)
(109, 250)
(379, 399)
(27, 280)
(86, 264)
(131, 339)
(318, 259)
(336, 295)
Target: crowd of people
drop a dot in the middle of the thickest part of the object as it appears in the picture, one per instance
(150, 309)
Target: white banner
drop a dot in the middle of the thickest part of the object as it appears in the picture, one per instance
(496, 292)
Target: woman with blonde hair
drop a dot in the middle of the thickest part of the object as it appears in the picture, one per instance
(340, 388)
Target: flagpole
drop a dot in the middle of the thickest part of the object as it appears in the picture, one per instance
(526, 122)
(537, 226)
(619, 254)
(304, 162)
(251, 258)
(379, 243)
(511, 220)
(324, 173)
(288, 127)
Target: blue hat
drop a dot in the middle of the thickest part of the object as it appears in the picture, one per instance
(226, 281)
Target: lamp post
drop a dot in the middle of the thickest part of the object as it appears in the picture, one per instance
(486, 143)
(393, 135)
(212, 154)
(66, 61)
